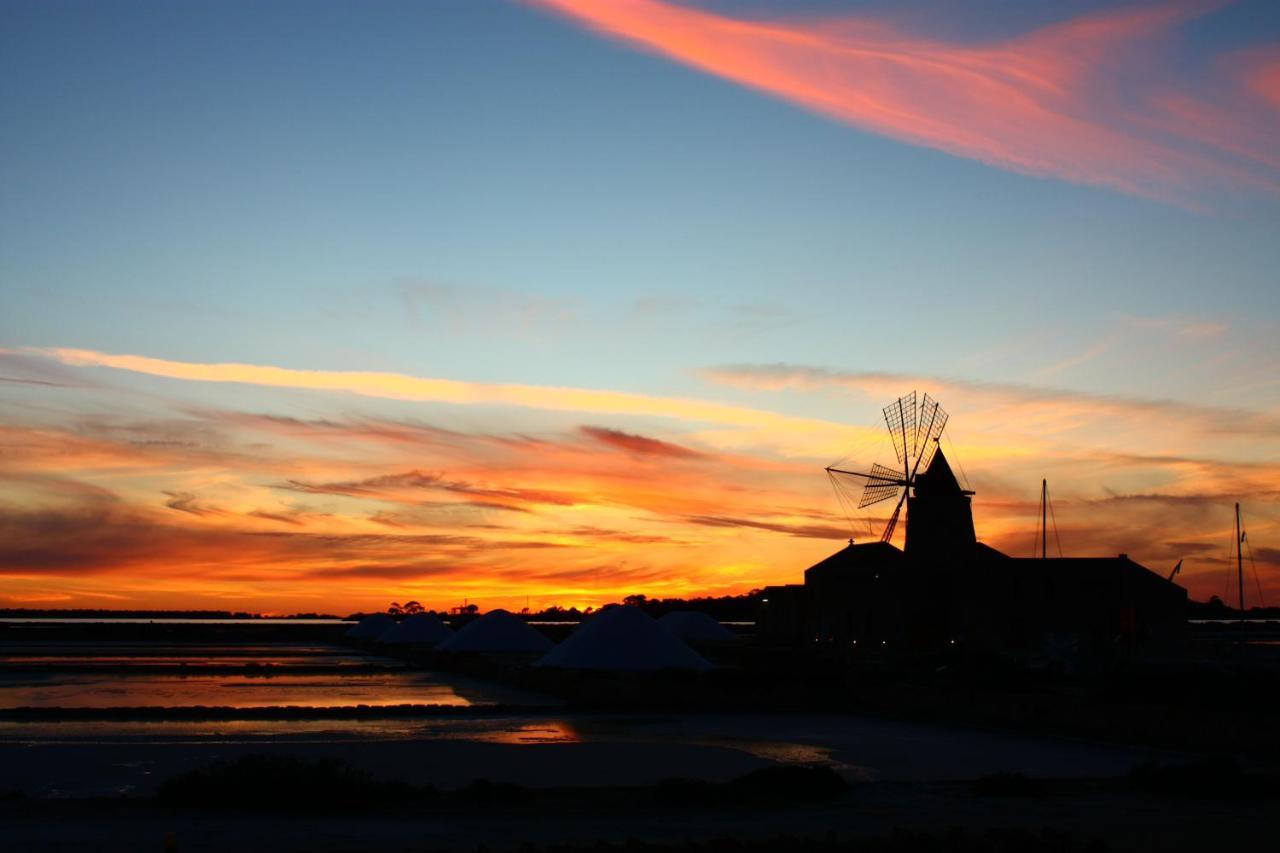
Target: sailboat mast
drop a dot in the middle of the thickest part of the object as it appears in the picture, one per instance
(1239, 563)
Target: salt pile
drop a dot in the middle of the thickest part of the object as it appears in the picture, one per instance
(623, 638)
(497, 632)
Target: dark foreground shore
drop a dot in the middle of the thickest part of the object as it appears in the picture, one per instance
(945, 755)
(1062, 817)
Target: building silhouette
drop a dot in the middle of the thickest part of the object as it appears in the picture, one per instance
(945, 589)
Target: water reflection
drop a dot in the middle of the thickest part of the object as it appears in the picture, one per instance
(34, 655)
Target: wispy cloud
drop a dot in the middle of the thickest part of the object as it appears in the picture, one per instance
(190, 504)
(1066, 407)
(1085, 357)
(1046, 102)
(399, 386)
(639, 444)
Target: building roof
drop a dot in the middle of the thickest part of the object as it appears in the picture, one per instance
(938, 478)
(1095, 568)
(856, 559)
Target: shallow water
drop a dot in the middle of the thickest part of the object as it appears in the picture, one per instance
(546, 748)
(77, 690)
(30, 677)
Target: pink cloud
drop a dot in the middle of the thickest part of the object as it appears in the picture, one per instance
(1088, 99)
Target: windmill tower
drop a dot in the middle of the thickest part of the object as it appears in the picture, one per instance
(938, 512)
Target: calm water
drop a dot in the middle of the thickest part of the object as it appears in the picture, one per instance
(547, 747)
(542, 748)
(142, 654)
(76, 690)
(29, 677)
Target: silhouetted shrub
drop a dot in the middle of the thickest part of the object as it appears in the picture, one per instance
(1008, 785)
(900, 841)
(782, 784)
(1209, 777)
(281, 783)
(483, 792)
(789, 782)
(683, 792)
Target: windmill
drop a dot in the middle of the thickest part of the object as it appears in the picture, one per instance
(915, 427)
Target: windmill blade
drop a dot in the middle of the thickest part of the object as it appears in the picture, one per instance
(930, 422)
(847, 497)
(893, 519)
(882, 484)
(900, 418)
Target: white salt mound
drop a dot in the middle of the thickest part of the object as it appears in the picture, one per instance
(497, 632)
(624, 639)
(693, 626)
(371, 627)
(419, 629)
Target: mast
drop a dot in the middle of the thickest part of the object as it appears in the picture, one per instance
(1044, 519)
(1239, 564)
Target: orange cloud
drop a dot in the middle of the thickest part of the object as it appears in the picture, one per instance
(1043, 103)
(344, 511)
(583, 516)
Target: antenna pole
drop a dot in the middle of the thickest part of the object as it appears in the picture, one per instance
(1044, 519)
(1239, 564)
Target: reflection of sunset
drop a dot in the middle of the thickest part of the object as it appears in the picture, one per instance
(541, 731)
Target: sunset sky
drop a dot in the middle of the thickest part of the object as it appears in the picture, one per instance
(312, 306)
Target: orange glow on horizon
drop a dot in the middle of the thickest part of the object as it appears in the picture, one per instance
(225, 509)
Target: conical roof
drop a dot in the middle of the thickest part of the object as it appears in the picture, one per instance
(938, 478)
(623, 638)
(694, 626)
(497, 632)
(371, 627)
(420, 628)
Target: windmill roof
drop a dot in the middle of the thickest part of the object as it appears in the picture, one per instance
(938, 478)
(423, 628)
(694, 626)
(371, 627)
(497, 632)
(623, 639)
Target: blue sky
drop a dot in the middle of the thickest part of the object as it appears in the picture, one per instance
(270, 169)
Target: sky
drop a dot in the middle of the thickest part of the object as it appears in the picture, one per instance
(312, 306)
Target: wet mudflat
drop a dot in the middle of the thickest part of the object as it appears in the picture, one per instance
(1093, 818)
(545, 745)
(552, 749)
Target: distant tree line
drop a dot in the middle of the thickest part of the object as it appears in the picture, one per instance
(724, 608)
(1216, 608)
